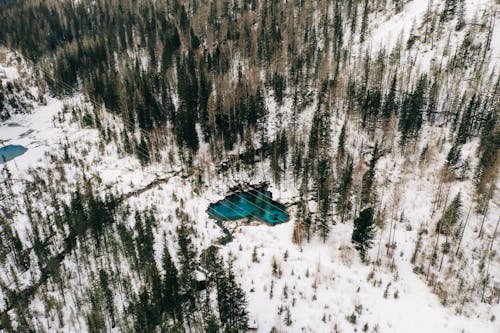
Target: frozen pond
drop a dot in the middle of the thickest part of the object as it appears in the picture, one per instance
(10, 152)
(254, 205)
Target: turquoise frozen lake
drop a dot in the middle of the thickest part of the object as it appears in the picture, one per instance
(253, 204)
(10, 152)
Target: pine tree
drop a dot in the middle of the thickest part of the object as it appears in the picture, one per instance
(460, 16)
(6, 322)
(108, 295)
(488, 153)
(232, 303)
(364, 22)
(390, 105)
(450, 7)
(414, 104)
(171, 299)
(344, 190)
(324, 193)
(187, 259)
(369, 176)
(211, 324)
(142, 149)
(450, 216)
(466, 122)
(363, 232)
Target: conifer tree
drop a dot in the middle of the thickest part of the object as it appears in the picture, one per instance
(232, 303)
(363, 232)
(108, 295)
(344, 190)
(368, 177)
(414, 104)
(187, 259)
(450, 216)
(390, 105)
(450, 7)
(324, 197)
(171, 299)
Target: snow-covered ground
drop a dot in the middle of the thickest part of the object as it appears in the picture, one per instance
(322, 284)
(326, 283)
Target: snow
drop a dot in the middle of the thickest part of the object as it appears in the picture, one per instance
(328, 279)
(337, 279)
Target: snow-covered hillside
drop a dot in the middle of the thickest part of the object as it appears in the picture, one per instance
(415, 278)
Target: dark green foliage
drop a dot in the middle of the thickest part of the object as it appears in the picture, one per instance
(144, 240)
(364, 21)
(391, 104)
(279, 150)
(371, 106)
(450, 216)
(187, 260)
(100, 216)
(108, 295)
(232, 303)
(344, 204)
(453, 155)
(412, 108)
(279, 85)
(363, 232)
(450, 7)
(464, 130)
(341, 146)
(324, 190)
(142, 150)
(187, 114)
(142, 310)
(171, 300)
(231, 300)
(5, 322)
(368, 177)
(211, 321)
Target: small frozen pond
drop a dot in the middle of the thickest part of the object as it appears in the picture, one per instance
(10, 152)
(254, 205)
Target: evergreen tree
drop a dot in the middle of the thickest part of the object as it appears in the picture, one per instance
(171, 298)
(489, 148)
(232, 303)
(324, 198)
(466, 122)
(344, 190)
(414, 103)
(341, 146)
(211, 324)
(187, 283)
(390, 105)
(108, 295)
(363, 232)
(368, 177)
(450, 7)
(450, 216)
(142, 149)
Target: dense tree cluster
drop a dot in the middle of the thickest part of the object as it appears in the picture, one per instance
(173, 294)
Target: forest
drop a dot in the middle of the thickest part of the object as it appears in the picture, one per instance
(303, 86)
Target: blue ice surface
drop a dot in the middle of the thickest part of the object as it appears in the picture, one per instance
(10, 152)
(254, 205)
